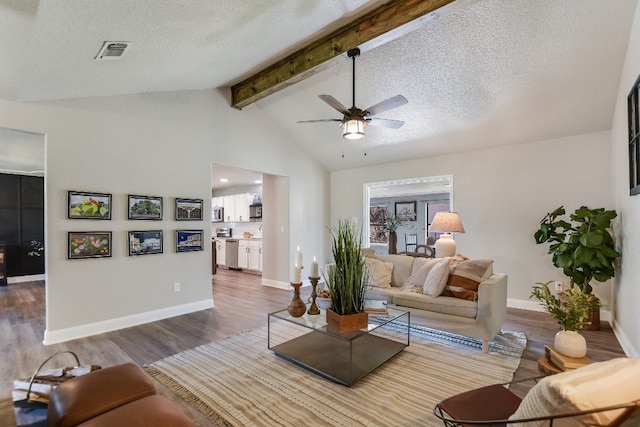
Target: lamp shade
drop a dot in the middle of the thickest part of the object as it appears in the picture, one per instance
(447, 222)
(353, 129)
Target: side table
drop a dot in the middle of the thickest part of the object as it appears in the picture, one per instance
(546, 367)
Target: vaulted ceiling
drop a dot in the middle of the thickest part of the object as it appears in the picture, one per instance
(487, 73)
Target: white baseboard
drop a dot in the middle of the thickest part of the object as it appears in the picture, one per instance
(535, 306)
(625, 342)
(276, 284)
(287, 285)
(24, 279)
(62, 335)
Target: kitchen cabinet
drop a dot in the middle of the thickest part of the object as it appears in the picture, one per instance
(236, 206)
(255, 255)
(229, 204)
(221, 252)
(250, 254)
(243, 254)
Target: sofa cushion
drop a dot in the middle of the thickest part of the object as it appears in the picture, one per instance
(379, 272)
(593, 386)
(436, 280)
(444, 305)
(402, 265)
(419, 271)
(465, 277)
(155, 411)
(383, 294)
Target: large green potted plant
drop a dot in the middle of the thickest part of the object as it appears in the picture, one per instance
(583, 248)
(346, 278)
(570, 309)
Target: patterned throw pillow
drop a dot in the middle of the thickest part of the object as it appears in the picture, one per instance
(465, 277)
(379, 272)
(436, 279)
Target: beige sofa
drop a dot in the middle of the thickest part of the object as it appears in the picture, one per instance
(481, 319)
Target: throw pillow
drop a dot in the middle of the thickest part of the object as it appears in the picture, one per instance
(465, 277)
(436, 279)
(379, 272)
(593, 386)
(416, 280)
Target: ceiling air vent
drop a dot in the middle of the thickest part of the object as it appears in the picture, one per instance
(112, 50)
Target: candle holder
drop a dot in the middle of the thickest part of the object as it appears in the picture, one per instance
(296, 307)
(313, 308)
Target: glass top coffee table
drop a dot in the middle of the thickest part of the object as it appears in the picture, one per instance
(344, 358)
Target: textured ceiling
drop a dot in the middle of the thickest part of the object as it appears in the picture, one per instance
(494, 72)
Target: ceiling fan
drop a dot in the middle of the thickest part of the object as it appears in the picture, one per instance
(354, 119)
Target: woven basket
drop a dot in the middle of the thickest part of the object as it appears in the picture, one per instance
(593, 316)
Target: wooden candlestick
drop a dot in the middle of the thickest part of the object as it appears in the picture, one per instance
(296, 307)
(313, 308)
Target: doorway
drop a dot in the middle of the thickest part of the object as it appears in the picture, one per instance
(425, 196)
(22, 213)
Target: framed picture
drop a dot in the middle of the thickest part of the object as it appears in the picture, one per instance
(84, 205)
(88, 244)
(189, 209)
(189, 240)
(377, 232)
(145, 207)
(145, 242)
(406, 210)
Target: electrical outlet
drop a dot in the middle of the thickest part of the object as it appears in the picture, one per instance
(176, 287)
(558, 286)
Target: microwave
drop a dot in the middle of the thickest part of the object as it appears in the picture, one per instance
(217, 214)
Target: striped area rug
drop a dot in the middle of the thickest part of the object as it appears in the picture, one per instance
(239, 382)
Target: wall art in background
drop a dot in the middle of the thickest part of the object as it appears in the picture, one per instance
(85, 205)
(88, 244)
(189, 240)
(406, 210)
(145, 242)
(189, 209)
(145, 207)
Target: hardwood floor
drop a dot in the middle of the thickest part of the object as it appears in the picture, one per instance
(241, 303)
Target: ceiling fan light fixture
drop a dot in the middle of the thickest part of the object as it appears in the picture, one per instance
(353, 129)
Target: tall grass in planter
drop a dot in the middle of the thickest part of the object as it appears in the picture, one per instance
(347, 277)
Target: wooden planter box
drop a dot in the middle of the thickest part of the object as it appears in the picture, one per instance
(349, 322)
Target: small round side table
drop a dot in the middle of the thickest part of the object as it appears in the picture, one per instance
(546, 367)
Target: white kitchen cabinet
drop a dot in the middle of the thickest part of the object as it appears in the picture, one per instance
(229, 204)
(241, 202)
(221, 250)
(243, 254)
(255, 255)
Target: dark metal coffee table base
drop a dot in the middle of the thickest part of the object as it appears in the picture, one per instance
(341, 361)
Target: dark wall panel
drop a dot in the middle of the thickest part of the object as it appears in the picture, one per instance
(21, 221)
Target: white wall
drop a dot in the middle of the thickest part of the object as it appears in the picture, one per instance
(501, 194)
(145, 145)
(627, 290)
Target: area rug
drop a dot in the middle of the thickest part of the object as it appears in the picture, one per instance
(239, 382)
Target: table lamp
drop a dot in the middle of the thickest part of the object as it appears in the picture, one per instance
(446, 223)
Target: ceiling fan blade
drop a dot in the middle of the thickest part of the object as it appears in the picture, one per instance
(319, 120)
(387, 123)
(386, 105)
(334, 103)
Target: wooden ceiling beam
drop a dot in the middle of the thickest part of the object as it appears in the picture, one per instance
(387, 22)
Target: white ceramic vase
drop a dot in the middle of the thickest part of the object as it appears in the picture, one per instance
(571, 344)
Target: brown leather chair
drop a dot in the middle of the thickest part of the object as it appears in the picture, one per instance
(600, 394)
(121, 395)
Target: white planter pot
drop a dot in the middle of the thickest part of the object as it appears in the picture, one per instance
(571, 344)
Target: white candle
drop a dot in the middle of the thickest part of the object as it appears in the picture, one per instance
(297, 274)
(314, 268)
(299, 262)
